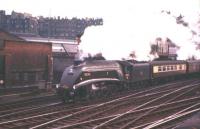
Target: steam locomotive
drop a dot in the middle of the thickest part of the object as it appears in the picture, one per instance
(101, 77)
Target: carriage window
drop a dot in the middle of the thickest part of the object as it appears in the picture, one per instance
(172, 67)
(180, 67)
(164, 68)
(168, 68)
(175, 68)
(159, 68)
(183, 67)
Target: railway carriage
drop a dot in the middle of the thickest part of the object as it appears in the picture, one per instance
(141, 72)
(193, 66)
(161, 69)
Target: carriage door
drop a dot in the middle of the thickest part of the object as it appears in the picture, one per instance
(2, 70)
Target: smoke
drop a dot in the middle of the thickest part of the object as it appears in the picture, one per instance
(122, 34)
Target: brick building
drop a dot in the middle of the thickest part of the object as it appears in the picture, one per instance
(63, 51)
(24, 62)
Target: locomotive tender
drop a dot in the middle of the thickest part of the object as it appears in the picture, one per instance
(91, 78)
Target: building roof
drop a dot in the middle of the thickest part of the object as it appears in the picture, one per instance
(8, 36)
(58, 45)
(52, 40)
(70, 48)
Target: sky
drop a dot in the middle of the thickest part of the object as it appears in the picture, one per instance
(129, 25)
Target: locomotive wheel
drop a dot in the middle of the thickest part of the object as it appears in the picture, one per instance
(65, 96)
(97, 90)
(81, 93)
(94, 91)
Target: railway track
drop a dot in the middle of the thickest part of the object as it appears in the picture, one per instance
(107, 111)
(96, 115)
(173, 120)
(174, 107)
(28, 101)
(19, 89)
(17, 107)
(121, 120)
(124, 120)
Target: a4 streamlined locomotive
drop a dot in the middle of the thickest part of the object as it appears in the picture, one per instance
(102, 77)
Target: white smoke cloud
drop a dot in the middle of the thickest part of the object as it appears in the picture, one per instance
(128, 24)
(121, 35)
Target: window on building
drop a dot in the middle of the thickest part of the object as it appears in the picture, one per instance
(31, 76)
(25, 76)
(21, 76)
(40, 76)
(17, 76)
(2, 62)
(2, 44)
